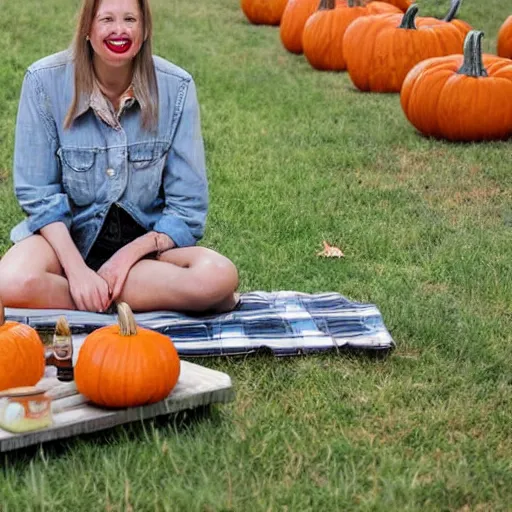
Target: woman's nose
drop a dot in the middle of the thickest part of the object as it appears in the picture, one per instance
(119, 27)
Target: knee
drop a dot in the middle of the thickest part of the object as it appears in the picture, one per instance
(218, 274)
(16, 288)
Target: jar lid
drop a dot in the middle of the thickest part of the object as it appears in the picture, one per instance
(21, 391)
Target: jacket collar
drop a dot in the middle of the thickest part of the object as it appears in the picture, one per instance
(97, 101)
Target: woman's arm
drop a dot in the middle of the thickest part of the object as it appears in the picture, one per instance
(115, 270)
(38, 187)
(37, 175)
(184, 179)
(89, 291)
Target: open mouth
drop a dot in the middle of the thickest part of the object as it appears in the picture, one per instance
(118, 45)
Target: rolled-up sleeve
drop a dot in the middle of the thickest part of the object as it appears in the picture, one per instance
(184, 179)
(37, 174)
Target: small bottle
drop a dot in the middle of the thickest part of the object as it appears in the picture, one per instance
(63, 350)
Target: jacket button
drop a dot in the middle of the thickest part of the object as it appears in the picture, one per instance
(111, 172)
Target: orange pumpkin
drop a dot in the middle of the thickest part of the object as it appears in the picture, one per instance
(22, 359)
(505, 39)
(403, 5)
(126, 365)
(295, 15)
(322, 37)
(402, 43)
(461, 97)
(263, 12)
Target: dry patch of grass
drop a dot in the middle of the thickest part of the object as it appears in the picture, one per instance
(459, 192)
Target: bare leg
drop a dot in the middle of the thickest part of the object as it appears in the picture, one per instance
(32, 277)
(183, 279)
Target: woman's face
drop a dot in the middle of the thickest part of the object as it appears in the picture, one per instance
(116, 33)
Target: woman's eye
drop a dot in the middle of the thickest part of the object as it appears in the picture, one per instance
(131, 20)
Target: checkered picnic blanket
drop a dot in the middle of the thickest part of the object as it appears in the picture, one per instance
(287, 323)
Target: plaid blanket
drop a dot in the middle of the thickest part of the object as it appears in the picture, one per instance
(287, 323)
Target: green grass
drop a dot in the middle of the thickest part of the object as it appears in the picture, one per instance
(294, 157)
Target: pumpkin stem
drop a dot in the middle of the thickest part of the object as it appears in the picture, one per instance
(473, 62)
(409, 17)
(127, 324)
(355, 3)
(454, 9)
(326, 5)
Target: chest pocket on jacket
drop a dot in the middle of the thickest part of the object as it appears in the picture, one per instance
(146, 162)
(78, 174)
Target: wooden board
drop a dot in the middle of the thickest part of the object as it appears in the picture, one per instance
(72, 415)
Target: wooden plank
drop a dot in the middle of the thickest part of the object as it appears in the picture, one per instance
(196, 386)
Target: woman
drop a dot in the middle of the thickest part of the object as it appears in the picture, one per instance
(109, 168)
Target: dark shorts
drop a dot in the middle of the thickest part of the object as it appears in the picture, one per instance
(118, 230)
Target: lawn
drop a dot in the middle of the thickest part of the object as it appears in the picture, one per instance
(296, 156)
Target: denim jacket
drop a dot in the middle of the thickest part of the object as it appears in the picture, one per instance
(75, 175)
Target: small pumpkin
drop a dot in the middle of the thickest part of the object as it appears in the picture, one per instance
(461, 97)
(322, 37)
(505, 39)
(126, 365)
(263, 12)
(22, 354)
(380, 50)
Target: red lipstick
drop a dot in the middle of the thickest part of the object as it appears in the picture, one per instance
(116, 45)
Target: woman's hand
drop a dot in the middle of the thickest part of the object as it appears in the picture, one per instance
(88, 290)
(115, 270)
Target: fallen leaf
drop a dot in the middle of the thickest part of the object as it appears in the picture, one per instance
(330, 251)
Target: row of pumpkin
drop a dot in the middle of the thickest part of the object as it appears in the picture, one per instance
(448, 88)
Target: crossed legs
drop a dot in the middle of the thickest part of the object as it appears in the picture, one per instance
(184, 279)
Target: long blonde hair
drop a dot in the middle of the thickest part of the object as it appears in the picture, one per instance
(144, 77)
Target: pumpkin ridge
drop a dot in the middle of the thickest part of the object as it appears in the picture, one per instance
(124, 358)
(154, 391)
(449, 73)
(108, 371)
(98, 353)
(16, 358)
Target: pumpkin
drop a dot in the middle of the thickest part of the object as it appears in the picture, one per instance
(380, 50)
(295, 15)
(322, 37)
(126, 365)
(461, 97)
(22, 354)
(403, 5)
(463, 26)
(263, 12)
(505, 39)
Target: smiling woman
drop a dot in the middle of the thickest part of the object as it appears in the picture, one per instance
(109, 168)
